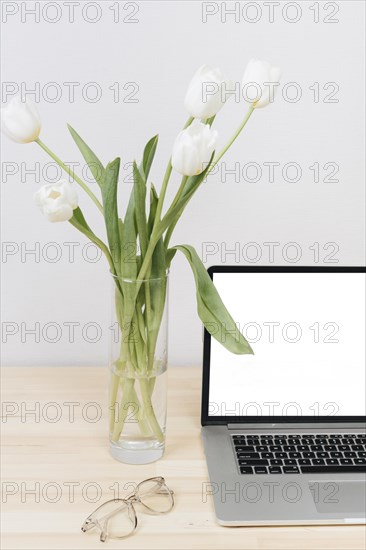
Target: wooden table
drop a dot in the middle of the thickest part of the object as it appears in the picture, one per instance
(56, 468)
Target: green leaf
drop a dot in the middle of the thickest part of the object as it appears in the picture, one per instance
(153, 205)
(139, 191)
(109, 195)
(170, 253)
(148, 156)
(96, 167)
(158, 284)
(211, 309)
(80, 223)
(78, 218)
(129, 251)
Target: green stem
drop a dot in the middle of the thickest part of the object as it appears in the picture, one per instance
(176, 199)
(231, 141)
(215, 161)
(123, 408)
(113, 400)
(71, 174)
(164, 187)
(149, 410)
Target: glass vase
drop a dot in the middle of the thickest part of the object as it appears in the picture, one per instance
(138, 369)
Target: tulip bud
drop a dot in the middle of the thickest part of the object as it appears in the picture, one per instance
(57, 201)
(260, 76)
(204, 95)
(193, 148)
(20, 121)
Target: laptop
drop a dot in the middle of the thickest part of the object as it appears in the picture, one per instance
(284, 430)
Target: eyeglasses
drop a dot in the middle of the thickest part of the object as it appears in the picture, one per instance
(117, 518)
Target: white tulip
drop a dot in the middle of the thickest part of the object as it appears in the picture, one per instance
(193, 148)
(20, 120)
(204, 97)
(259, 82)
(57, 201)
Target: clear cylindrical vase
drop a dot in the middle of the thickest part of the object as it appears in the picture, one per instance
(138, 369)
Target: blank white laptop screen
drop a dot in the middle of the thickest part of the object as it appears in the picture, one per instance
(307, 331)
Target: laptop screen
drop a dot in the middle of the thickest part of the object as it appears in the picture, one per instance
(307, 331)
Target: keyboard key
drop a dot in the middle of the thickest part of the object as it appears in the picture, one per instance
(303, 448)
(246, 470)
(322, 455)
(291, 470)
(359, 460)
(261, 448)
(294, 455)
(288, 448)
(332, 469)
(276, 462)
(337, 454)
(304, 461)
(260, 470)
(316, 448)
(357, 447)
(362, 454)
(309, 454)
(317, 461)
(275, 470)
(345, 448)
(245, 448)
(281, 455)
(249, 455)
(347, 461)
(360, 441)
(290, 462)
(330, 447)
(274, 448)
(332, 461)
(267, 455)
(350, 454)
(254, 462)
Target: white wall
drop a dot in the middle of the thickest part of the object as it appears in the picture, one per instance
(159, 53)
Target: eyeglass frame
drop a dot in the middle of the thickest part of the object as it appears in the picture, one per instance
(129, 501)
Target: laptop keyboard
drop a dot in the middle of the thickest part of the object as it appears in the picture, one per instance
(300, 453)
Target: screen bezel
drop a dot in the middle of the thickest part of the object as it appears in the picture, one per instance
(220, 420)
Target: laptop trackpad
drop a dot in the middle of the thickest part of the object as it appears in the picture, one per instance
(339, 496)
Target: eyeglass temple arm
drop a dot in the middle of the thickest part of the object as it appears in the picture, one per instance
(88, 524)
